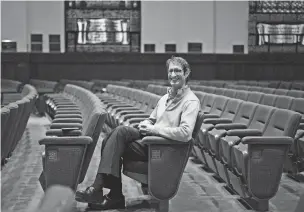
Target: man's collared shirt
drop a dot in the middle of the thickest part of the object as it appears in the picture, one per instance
(174, 116)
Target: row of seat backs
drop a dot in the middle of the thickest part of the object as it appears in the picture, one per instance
(44, 86)
(283, 102)
(134, 95)
(235, 93)
(251, 113)
(294, 85)
(13, 97)
(14, 118)
(279, 91)
(63, 82)
(99, 85)
(89, 104)
(93, 115)
(10, 86)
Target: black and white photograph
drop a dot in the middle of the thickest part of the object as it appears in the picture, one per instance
(152, 106)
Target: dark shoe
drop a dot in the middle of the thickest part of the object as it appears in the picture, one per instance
(107, 204)
(90, 195)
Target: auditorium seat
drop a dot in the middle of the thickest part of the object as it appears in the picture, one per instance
(243, 95)
(68, 147)
(258, 160)
(234, 136)
(241, 121)
(296, 93)
(285, 85)
(281, 91)
(165, 162)
(283, 102)
(268, 99)
(255, 97)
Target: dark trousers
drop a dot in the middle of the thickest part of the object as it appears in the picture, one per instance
(122, 143)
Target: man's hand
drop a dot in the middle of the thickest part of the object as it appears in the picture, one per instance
(147, 129)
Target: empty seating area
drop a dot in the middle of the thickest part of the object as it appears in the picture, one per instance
(77, 120)
(15, 112)
(248, 134)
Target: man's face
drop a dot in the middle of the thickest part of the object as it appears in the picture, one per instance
(176, 76)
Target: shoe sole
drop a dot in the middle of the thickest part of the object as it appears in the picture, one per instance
(95, 207)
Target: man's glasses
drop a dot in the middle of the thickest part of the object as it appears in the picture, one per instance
(175, 70)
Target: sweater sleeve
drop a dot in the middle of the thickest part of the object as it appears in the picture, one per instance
(188, 119)
(152, 118)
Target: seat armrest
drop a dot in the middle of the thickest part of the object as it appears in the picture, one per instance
(67, 120)
(210, 115)
(65, 125)
(266, 140)
(159, 140)
(64, 132)
(51, 140)
(230, 126)
(216, 121)
(244, 132)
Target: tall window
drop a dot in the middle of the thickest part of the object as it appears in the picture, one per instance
(276, 26)
(36, 42)
(54, 43)
(102, 26)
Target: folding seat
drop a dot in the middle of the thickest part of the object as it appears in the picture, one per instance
(219, 91)
(273, 84)
(263, 83)
(297, 86)
(296, 93)
(240, 121)
(200, 95)
(242, 87)
(255, 97)
(295, 163)
(256, 127)
(267, 90)
(19, 130)
(255, 88)
(268, 99)
(217, 109)
(163, 170)
(7, 135)
(209, 89)
(227, 116)
(232, 86)
(68, 151)
(133, 120)
(300, 148)
(15, 127)
(207, 102)
(285, 85)
(242, 95)
(283, 102)
(142, 108)
(5, 113)
(230, 93)
(281, 91)
(257, 161)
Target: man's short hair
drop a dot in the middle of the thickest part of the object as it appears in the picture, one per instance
(180, 62)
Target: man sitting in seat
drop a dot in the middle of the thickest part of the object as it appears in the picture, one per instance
(174, 118)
